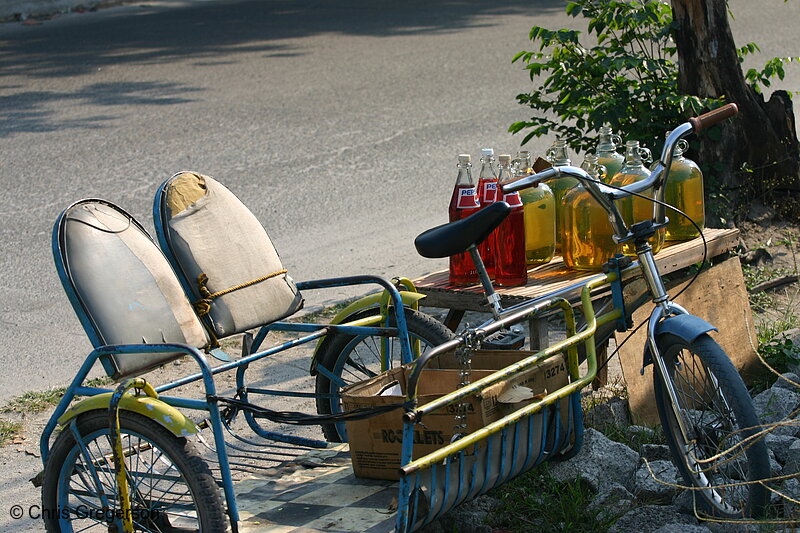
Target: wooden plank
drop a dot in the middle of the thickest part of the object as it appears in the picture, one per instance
(719, 296)
(548, 279)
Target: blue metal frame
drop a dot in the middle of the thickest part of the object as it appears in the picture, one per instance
(102, 352)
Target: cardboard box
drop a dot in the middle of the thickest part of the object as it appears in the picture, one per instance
(375, 443)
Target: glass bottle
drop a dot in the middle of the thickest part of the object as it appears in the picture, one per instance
(510, 269)
(557, 156)
(586, 234)
(521, 165)
(607, 154)
(487, 194)
(463, 203)
(634, 208)
(684, 190)
(539, 214)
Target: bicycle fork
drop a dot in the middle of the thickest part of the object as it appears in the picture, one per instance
(663, 309)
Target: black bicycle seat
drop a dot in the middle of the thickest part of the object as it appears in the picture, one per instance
(455, 237)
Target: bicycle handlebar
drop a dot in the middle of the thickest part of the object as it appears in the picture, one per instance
(605, 195)
(712, 117)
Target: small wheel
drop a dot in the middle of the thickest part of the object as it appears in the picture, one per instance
(354, 358)
(171, 487)
(718, 414)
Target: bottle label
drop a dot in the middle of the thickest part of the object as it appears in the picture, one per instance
(467, 198)
(490, 192)
(513, 199)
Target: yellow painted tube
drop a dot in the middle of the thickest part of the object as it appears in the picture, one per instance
(591, 359)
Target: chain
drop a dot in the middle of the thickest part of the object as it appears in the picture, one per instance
(464, 358)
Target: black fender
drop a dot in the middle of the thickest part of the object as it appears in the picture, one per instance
(687, 327)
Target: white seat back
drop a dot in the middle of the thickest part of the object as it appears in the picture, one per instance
(205, 230)
(121, 286)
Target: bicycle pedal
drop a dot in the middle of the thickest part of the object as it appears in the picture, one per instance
(504, 340)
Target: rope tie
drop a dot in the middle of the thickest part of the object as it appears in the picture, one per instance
(203, 306)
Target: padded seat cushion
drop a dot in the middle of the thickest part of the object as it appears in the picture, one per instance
(210, 231)
(124, 285)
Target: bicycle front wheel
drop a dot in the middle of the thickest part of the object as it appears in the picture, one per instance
(348, 359)
(715, 455)
(171, 487)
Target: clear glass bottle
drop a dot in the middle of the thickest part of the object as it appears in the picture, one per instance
(487, 194)
(634, 208)
(557, 156)
(510, 265)
(607, 154)
(684, 190)
(586, 235)
(463, 203)
(539, 214)
(521, 165)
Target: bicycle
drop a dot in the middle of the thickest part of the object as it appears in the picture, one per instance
(125, 454)
(708, 417)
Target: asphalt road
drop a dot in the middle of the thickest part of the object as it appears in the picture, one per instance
(337, 123)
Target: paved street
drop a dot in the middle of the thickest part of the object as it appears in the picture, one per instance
(337, 123)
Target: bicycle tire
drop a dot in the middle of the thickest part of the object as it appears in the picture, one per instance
(340, 349)
(701, 371)
(190, 499)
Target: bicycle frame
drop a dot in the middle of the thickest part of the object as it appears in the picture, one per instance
(665, 309)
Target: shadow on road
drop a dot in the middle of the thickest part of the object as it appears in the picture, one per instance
(204, 34)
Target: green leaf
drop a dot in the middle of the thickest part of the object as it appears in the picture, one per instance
(574, 9)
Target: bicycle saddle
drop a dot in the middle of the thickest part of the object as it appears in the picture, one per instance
(456, 237)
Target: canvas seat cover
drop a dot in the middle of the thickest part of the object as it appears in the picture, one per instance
(125, 286)
(210, 231)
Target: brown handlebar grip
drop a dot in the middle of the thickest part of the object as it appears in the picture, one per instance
(712, 117)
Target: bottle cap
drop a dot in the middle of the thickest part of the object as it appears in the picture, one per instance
(464, 158)
(487, 152)
(505, 158)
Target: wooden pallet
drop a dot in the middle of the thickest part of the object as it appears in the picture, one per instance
(555, 279)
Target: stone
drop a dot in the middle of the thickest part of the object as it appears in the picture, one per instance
(612, 501)
(787, 380)
(655, 482)
(775, 405)
(610, 414)
(774, 466)
(640, 433)
(731, 527)
(685, 503)
(600, 461)
(794, 336)
(682, 528)
(649, 518)
(655, 452)
(791, 489)
(779, 444)
(792, 464)
(469, 517)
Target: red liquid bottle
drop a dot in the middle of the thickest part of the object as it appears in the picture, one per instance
(463, 203)
(510, 265)
(487, 194)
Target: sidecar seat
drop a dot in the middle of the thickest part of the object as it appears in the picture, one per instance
(222, 255)
(121, 286)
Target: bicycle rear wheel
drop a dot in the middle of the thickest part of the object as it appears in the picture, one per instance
(719, 416)
(353, 358)
(171, 487)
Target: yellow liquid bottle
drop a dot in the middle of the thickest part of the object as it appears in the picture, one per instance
(684, 190)
(539, 213)
(634, 208)
(607, 154)
(540, 224)
(586, 235)
(557, 156)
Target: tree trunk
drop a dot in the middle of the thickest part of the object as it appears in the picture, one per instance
(756, 154)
